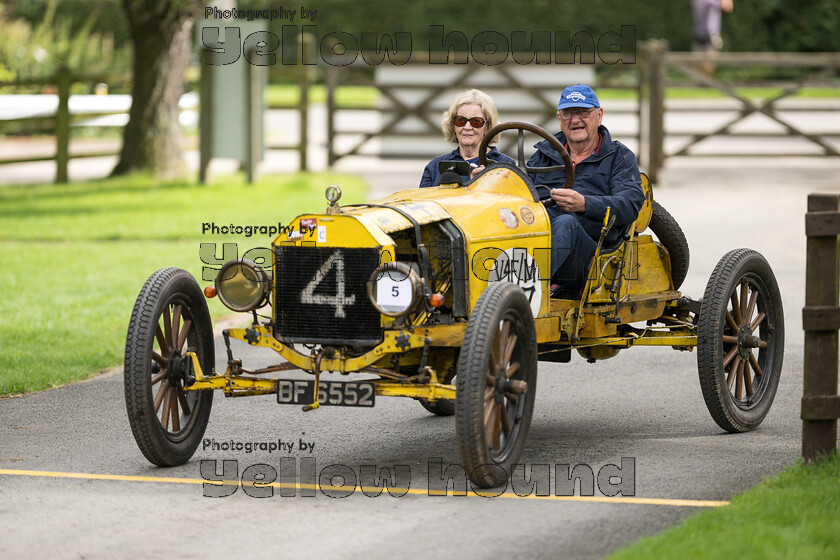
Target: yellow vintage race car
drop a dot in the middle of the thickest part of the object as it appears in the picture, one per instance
(443, 295)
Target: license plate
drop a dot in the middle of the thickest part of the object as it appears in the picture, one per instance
(330, 393)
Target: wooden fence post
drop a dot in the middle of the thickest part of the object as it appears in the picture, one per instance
(821, 321)
(643, 95)
(331, 81)
(656, 148)
(62, 124)
(652, 107)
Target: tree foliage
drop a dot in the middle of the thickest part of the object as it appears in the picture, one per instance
(755, 25)
(36, 48)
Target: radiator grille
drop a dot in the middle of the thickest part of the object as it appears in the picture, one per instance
(321, 295)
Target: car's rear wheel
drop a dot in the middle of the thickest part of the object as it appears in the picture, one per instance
(170, 317)
(740, 340)
(671, 236)
(497, 381)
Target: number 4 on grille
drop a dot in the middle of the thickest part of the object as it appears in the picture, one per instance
(339, 300)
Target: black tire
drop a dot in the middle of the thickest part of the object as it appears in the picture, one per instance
(671, 236)
(445, 363)
(487, 449)
(170, 296)
(741, 312)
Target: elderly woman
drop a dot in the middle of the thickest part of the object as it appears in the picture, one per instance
(466, 122)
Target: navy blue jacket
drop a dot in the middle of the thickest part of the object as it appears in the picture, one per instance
(608, 177)
(431, 175)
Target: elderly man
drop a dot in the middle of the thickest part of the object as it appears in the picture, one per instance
(606, 175)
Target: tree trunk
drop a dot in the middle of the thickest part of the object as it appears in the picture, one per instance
(161, 34)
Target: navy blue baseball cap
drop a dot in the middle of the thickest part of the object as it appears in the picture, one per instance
(578, 96)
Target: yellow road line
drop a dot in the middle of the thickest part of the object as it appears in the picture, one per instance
(397, 491)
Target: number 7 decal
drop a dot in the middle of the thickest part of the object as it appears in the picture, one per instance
(530, 291)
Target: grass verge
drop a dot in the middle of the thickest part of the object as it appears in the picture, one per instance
(75, 257)
(792, 516)
(281, 96)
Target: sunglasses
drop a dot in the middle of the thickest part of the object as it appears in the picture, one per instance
(475, 122)
(567, 114)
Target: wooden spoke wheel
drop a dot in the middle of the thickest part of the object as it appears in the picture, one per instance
(497, 381)
(740, 340)
(169, 319)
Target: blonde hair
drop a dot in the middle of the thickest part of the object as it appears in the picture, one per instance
(470, 97)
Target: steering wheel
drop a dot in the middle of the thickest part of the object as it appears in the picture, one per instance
(520, 151)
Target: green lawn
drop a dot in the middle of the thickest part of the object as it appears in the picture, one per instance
(795, 515)
(284, 96)
(75, 256)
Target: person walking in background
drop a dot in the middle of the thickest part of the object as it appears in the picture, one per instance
(707, 25)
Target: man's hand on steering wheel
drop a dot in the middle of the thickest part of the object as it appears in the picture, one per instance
(568, 199)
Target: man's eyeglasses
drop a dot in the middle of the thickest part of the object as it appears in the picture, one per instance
(475, 122)
(567, 114)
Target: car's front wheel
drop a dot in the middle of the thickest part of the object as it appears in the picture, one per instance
(170, 317)
(497, 381)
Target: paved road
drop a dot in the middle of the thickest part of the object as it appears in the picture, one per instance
(644, 404)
